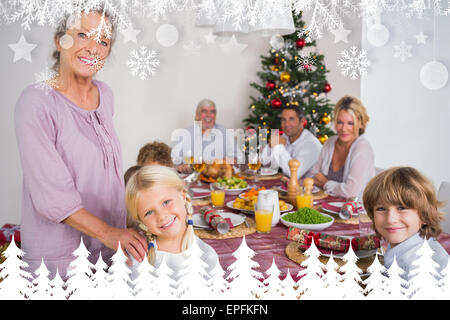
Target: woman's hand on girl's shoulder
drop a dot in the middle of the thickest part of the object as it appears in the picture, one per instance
(131, 242)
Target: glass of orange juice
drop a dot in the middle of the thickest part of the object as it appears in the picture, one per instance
(217, 195)
(263, 219)
(304, 200)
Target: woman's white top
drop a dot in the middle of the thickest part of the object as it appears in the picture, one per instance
(359, 168)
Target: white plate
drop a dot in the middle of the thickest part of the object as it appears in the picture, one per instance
(315, 227)
(236, 191)
(230, 205)
(339, 205)
(268, 172)
(360, 253)
(200, 222)
(200, 193)
(314, 190)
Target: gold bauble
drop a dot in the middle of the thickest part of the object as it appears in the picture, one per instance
(322, 138)
(285, 77)
(325, 119)
(275, 68)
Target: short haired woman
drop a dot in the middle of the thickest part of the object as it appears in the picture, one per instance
(73, 186)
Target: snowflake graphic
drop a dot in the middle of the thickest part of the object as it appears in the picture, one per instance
(353, 62)
(403, 51)
(46, 80)
(143, 62)
(306, 62)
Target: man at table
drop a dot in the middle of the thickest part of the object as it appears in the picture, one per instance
(296, 142)
(205, 139)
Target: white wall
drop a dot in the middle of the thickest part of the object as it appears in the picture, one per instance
(150, 109)
(409, 123)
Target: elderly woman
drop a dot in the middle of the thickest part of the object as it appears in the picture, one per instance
(73, 186)
(346, 162)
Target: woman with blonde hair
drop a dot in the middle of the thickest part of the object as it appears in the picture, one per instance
(346, 162)
(158, 202)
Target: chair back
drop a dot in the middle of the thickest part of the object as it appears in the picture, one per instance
(444, 195)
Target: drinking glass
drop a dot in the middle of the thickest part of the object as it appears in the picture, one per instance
(263, 218)
(365, 224)
(188, 158)
(254, 164)
(217, 195)
(199, 165)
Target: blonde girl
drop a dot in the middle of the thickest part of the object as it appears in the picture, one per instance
(158, 202)
(404, 210)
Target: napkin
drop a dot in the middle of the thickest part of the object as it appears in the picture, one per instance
(215, 220)
(8, 231)
(331, 242)
(200, 191)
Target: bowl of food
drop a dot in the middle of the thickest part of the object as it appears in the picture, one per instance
(232, 185)
(307, 218)
(251, 193)
(247, 205)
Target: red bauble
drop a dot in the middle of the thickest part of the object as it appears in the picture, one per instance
(305, 123)
(327, 87)
(300, 43)
(270, 85)
(276, 103)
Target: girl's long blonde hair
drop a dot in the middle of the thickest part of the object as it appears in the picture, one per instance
(147, 177)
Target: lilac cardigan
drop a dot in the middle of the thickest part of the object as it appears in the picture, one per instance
(359, 168)
(71, 159)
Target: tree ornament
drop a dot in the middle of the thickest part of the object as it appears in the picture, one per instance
(300, 43)
(307, 67)
(275, 68)
(270, 85)
(325, 119)
(327, 87)
(285, 77)
(305, 123)
(276, 103)
(322, 138)
(276, 60)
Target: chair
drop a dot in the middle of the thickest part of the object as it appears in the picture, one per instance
(444, 195)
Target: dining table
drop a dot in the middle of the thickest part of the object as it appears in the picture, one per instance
(271, 247)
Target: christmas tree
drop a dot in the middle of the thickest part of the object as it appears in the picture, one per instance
(293, 74)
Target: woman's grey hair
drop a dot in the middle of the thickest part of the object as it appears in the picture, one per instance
(67, 23)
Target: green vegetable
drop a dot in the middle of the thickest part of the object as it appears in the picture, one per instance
(306, 216)
(232, 183)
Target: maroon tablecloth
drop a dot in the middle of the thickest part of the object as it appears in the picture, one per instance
(272, 246)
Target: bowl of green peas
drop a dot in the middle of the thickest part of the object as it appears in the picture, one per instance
(307, 218)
